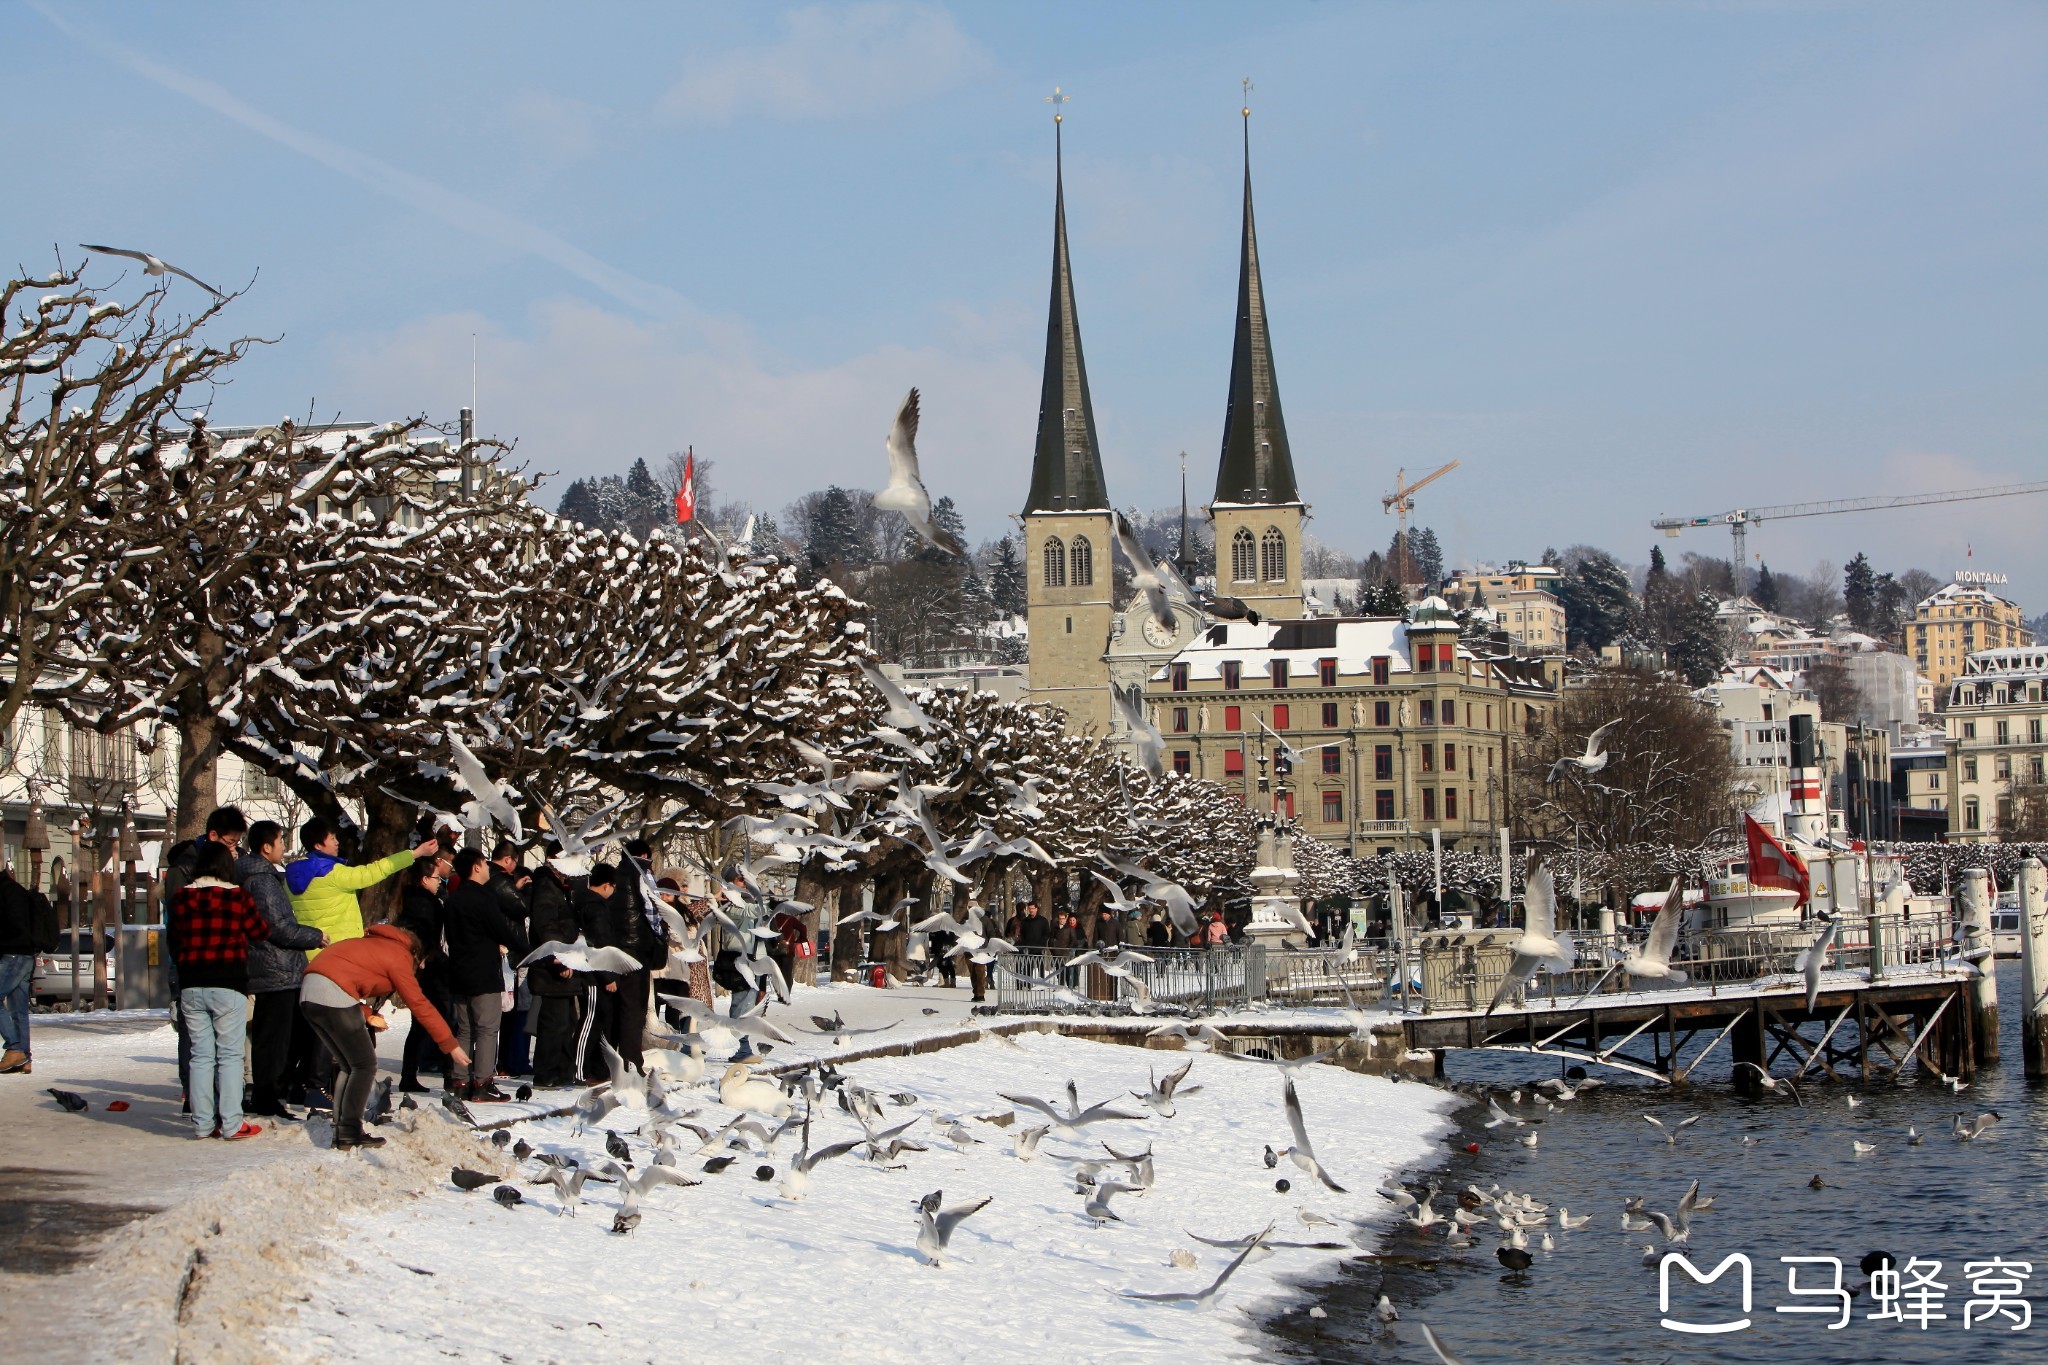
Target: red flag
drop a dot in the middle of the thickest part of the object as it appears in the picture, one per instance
(1773, 864)
(686, 496)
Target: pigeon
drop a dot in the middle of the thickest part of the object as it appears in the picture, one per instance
(906, 491)
(470, 1180)
(153, 265)
(936, 1225)
(379, 1107)
(508, 1196)
(501, 1138)
(522, 1094)
(616, 1146)
(75, 1103)
(1584, 765)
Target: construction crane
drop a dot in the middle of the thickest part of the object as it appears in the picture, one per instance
(1741, 519)
(1402, 501)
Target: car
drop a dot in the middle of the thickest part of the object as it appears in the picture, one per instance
(52, 978)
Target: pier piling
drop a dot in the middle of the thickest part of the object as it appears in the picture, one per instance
(1977, 900)
(2033, 889)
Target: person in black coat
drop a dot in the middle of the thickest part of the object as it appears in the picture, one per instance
(421, 914)
(478, 935)
(627, 921)
(511, 882)
(595, 914)
(278, 1031)
(1034, 931)
(557, 991)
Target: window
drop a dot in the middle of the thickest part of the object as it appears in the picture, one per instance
(1178, 673)
(1969, 770)
(1054, 552)
(1180, 720)
(1425, 658)
(1450, 758)
(1429, 804)
(1429, 758)
(2040, 769)
(1283, 803)
(1450, 803)
(2002, 766)
(1273, 556)
(1326, 672)
(1934, 780)
(1233, 675)
(1382, 713)
(1281, 715)
(2034, 731)
(1970, 817)
(1333, 760)
(1279, 672)
(1233, 763)
(1450, 713)
(1383, 762)
(1081, 562)
(1381, 666)
(1183, 762)
(1446, 657)
(2004, 733)
(1330, 716)
(1243, 557)
(1233, 718)
(1383, 805)
(1428, 713)
(1333, 808)
(1489, 715)
(1969, 729)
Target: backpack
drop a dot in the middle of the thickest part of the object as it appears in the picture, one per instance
(725, 973)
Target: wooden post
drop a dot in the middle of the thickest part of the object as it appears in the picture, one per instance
(2033, 889)
(1748, 1044)
(105, 910)
(1977, 897)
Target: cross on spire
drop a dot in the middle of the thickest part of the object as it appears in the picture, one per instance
(1247, 84)
(1056, 99)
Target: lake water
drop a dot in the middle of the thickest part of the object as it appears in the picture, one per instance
(1593, 1299)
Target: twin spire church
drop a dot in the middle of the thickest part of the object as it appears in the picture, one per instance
(1080, 643)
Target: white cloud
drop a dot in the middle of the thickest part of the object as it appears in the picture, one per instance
(830, 62)
(586, 391)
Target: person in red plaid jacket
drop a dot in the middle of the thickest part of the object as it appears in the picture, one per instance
(212, 923)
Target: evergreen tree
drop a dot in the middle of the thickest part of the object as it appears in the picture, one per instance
(579, 504)
(612, 503)
(1400, 566)
(1663, 603)
(1380, 599)
(978, 605)
(1764, 592)
(1429, 557)
(647, 509)
(1598, 606)
(1695, 648)
(1859, 592)
(1889, 621)
(946, 517)
(1006, 579)
(767, 538)
(836, 541)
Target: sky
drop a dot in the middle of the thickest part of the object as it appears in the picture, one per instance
(1621, 260)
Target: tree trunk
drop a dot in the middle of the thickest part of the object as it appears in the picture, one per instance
(812, 891)
(388, 828)
(199, 748)
(890, 947)
(104, 910)
(846, 940)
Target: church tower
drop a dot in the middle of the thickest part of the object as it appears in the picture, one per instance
(1257, 512)
(1069, 542)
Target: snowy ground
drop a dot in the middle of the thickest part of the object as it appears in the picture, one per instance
(732, 1268)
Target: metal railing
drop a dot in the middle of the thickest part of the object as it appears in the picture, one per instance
(1200, 979)
(1462, 971)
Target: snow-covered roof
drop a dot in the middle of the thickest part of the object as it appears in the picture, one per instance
(1957, 592)
(1354, 644)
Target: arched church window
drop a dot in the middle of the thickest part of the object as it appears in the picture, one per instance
(1055, 554)
(1243, 561)
(1080, 562)
(1273, 556)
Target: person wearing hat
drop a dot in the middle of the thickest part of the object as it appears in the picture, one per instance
(556, 991)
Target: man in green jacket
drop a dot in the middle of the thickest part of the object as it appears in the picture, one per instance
(323, 888)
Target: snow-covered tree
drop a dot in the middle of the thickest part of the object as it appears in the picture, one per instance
(1006, 578)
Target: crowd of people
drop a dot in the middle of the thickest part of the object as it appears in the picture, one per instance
(279, 976)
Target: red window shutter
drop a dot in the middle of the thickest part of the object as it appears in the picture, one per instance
(1280, 715)
(1233, 719)
(1233, 762)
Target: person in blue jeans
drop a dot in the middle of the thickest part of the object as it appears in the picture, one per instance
(213, 922)
(28, 924)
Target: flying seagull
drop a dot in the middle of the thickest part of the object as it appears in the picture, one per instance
(488, 801)
(1146, 741)
(903, 713)
(1652, 961)
(153, 265)
(1160, 584)
(1812, 959)
(1254, 1245)
(581, 957)
(1592, 761)
(1542, 944)
(935, 1225)
(1304, 1155)
(906, 492)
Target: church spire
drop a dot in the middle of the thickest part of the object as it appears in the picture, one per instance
(1066, 470)
(1256, 465)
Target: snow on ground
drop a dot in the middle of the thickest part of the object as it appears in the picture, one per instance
(730, 1267)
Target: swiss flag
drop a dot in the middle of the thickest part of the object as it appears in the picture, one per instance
(1773, 864)
(686, 496)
